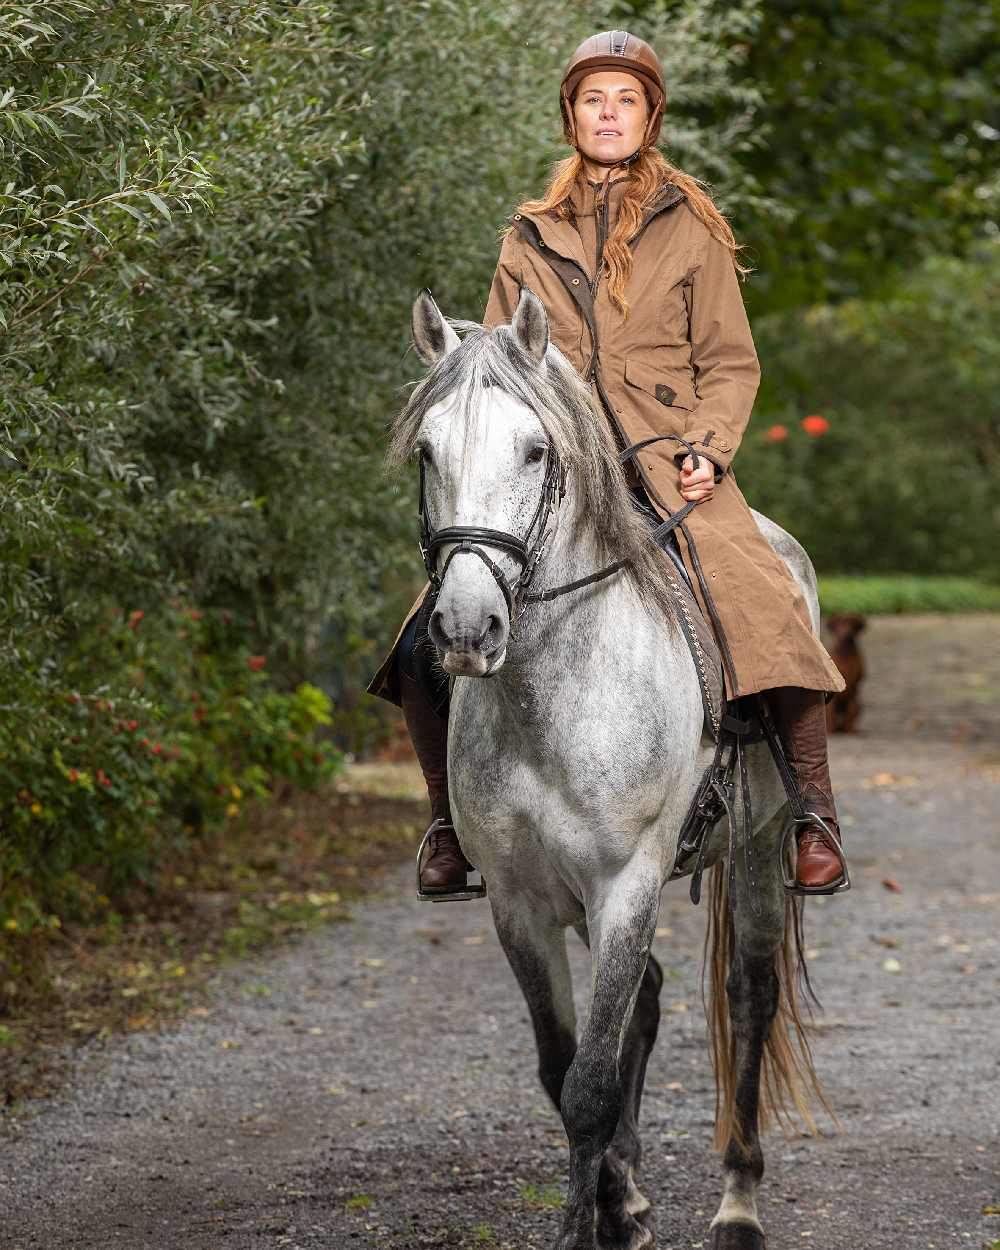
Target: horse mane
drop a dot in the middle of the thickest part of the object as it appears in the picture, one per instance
(578, 430)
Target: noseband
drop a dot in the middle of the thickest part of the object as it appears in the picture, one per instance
(527, 550)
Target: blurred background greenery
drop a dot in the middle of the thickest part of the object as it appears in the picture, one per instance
(213, 220)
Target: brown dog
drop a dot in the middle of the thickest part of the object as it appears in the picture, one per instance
(844, 709)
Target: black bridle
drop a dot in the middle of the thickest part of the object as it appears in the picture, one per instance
(529, 550)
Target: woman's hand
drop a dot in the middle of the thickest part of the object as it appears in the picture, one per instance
(697, 484)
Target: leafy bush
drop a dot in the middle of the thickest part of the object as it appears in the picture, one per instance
(165, 726)
(902, 474)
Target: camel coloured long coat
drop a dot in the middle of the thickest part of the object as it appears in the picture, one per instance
(683, 362)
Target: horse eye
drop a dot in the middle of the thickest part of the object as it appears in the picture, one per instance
(535, 456)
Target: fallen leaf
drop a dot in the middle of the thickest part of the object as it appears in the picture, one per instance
(892, 884)
(890, 943)
(476, 940)
(228, 1045)
(373, 963)
(892, 965)
(315, 1032)
(368, 1004)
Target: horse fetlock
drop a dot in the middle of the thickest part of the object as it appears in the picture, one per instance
(621, 1231)
(744, 1164)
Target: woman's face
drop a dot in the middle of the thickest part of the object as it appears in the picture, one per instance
(611, 110)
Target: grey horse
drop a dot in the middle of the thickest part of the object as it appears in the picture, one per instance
(575, 745)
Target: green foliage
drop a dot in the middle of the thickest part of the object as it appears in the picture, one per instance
(907, 477)
(879, 596)
(883, 138)
(165, 727)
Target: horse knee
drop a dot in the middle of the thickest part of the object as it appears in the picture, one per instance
(592, 1101)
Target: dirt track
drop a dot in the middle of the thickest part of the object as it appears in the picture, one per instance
(375, 1085)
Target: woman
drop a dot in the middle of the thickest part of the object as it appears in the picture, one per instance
(638, 272)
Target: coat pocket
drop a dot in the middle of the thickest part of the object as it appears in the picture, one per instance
(667, 388)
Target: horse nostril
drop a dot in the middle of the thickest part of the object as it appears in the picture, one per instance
(493, 626)
(436, 631)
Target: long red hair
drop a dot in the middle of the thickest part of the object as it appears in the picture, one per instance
(649, 173)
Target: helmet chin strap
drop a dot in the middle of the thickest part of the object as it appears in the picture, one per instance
(625, 162)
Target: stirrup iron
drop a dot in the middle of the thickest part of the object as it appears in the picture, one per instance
(451, 896)
(838, 886)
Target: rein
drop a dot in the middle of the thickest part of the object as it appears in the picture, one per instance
(469, 539)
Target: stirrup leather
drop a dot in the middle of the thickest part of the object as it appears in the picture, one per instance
(461, 895)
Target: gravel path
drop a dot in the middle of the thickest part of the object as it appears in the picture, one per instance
(374, 1085)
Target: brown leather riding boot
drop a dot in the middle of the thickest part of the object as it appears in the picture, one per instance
(446, 868)
(800, 719)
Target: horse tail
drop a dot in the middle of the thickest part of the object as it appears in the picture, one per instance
(789, 1086)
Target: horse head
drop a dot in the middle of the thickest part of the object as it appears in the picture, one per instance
(490, 478)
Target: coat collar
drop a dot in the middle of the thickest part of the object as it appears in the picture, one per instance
(564, 238)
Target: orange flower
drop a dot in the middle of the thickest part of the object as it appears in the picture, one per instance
(257, 662)
(777, 434)
(135, 617)
(73, 775)
(816, 426)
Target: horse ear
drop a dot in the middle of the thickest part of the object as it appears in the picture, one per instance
(433, 337)
(530, 325)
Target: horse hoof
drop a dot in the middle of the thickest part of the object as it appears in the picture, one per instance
(737, 1237)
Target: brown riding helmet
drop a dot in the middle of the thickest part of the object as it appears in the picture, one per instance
(614, 49)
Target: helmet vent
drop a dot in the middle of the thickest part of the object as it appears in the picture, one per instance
(619, 41)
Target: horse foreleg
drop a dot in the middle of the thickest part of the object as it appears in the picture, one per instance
(606, 1074)
(752, 992)
(535, 946)
(620, 1204)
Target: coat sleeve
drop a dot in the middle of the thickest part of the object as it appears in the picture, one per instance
(726, 370)
(506, 288)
